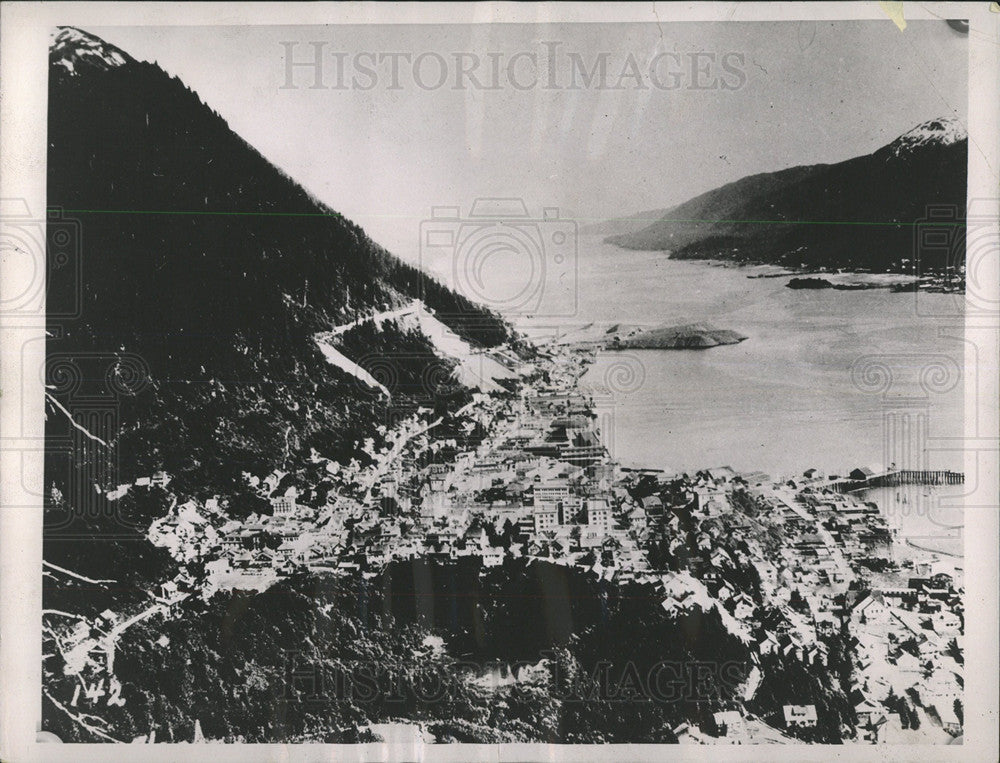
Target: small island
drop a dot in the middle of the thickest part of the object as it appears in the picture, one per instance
(691, 336)
(809, 283)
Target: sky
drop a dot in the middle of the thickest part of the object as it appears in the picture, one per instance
(683, 108)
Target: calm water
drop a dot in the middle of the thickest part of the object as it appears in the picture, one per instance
(929, 518)
(826, 379)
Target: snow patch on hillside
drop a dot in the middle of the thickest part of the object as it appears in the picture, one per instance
(476, 368)
(74, 49)
(685, 593)
(341, 361)
(941, 131)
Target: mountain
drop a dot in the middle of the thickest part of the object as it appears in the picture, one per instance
(76, 51)
(614, 226)
(858, 214)
(934, 132)
(184, 339)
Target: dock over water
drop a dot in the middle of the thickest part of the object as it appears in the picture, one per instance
(900, 477)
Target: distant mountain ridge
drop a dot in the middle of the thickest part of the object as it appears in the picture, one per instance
(944, 131)
(614, 226)
(860, 213)
(75, 51)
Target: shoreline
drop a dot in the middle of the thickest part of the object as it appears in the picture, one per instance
(840, 279)
(930, 550)
(594, 350)
(923, 547)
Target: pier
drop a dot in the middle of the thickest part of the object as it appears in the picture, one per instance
(901, 477)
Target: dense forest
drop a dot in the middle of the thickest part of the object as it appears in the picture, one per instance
(317, 658)
(183, 309)
(204, 275)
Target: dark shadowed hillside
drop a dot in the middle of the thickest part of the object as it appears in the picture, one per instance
(316, 659)
(860, 213)
(205, 274)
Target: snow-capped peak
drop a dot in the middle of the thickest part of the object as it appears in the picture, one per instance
(73, 50)
(941, 131)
